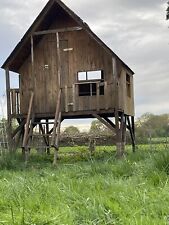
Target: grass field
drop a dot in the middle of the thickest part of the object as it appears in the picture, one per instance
(87, 190)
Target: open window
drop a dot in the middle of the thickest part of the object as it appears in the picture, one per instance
(89, 81)
(128, 85)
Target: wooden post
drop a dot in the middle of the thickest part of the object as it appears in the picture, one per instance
(106, 95)
(92, 145)
(131, 129)
(56, 119)
(25, 139)
(133, 125)
(44, 135)
(122, 133)
(13, 102)
(132, 132)
(48, 139)
(74, 97)
(56, 145)
(98, 96)
(58, 60)
(9, 119)
(66, 99)
(116, 111)
(32, 62)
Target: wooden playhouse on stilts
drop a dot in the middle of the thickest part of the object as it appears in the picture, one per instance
(66, 72)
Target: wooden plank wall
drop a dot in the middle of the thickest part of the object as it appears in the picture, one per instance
(86, 55)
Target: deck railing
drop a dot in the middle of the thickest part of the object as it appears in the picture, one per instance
(15, 101)
(94, 100)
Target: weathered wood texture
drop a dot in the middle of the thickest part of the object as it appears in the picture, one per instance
(85, 55)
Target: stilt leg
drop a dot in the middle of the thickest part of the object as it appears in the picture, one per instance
(27, 153)
(118, 139)
(55, 156)
(47, 132)
(131, 129)
(56, 146)
(134, 137)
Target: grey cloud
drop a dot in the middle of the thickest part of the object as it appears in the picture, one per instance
(135, 30)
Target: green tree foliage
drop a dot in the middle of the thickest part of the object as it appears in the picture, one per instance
(167, 16)
(71, 131)
(150, 125)
(98, 128)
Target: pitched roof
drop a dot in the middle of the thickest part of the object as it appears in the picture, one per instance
(22, 50)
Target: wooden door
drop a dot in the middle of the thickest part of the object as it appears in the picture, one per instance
(46, 77)
(65, 79)
(46, 73)
(64, 60)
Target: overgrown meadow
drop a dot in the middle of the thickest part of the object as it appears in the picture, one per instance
(85, 189)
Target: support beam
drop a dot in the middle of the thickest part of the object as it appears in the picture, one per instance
(68, 29)
(43, 134)
(47, 138)
(118, 134)
(119, 127)
(131, 133)
(104, 122)
(18, 128)
(110, 122)
(9, 118)
(122, 133)
(133, 126)
(56, 144)
(8, 94)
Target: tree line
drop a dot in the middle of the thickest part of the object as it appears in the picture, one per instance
(147, 126)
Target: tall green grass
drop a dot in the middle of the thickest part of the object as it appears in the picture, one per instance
(85, 189)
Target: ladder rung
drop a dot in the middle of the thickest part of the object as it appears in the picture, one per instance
(38, 146)
(40, 135)
(43, 123)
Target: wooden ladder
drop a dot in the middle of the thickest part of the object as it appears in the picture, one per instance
(43, 133)
(54, 133)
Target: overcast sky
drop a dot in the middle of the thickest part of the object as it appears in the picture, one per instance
(135, 30)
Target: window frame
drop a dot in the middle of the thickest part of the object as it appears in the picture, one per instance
(88, 71)
(91, 83)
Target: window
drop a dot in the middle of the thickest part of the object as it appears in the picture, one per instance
(90, 89)
(90, 75)
(94, 75)
(89, 81)
(87, 89)
(82, 76)
(128, 85)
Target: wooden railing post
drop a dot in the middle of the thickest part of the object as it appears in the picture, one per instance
(9, 118)
(14, 101)
(98, 96)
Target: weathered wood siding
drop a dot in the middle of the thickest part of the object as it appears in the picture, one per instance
(86, 55)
